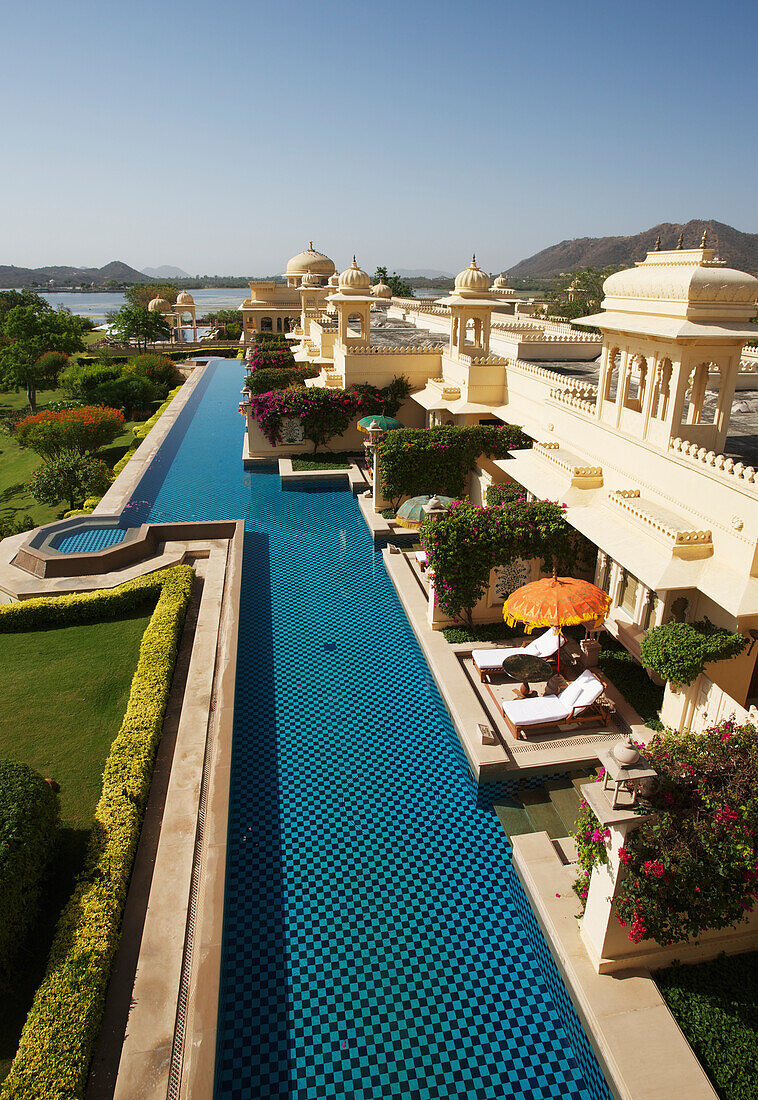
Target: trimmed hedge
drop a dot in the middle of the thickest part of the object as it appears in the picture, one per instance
(139, 431)
(61, 1029)
(29, 815)
(716, 1006)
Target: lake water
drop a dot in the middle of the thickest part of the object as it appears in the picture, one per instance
(98, 306)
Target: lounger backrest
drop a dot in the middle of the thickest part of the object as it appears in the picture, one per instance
(584, 690)
(547, 644)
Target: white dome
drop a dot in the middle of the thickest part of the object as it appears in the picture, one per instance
(354, 280)
(184, 299)
(472, 282)
(688, 281)
(500, 283)
(310, 280)
(160, 305)
(381, 290)
(310, 261)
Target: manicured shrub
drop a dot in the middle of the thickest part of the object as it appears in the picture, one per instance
(132, 394)
(159, 369)
(81, 379)
(28, 828)
(140, 431)
(632, 681)
(68, 476)
(680, 651)
(413, 461)
(83, 429)
(61, 1029)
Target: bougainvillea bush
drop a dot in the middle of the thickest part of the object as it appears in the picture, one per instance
(264, 358)
(84, 430)
(324, 413)
(466, 543)
(414, 461)
(694, 865)
(591, 848)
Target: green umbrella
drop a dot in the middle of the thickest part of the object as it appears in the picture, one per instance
(411, 512)
(386, 423)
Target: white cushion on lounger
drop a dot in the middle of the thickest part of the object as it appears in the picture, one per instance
(492, 658)
(533, 712)
(584, 690)
(543, 646)
(421, 556)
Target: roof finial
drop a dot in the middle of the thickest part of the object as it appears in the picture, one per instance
(473, 258)
(657, 246)
(354, 259)
(704, 238)
(310, 246)
(681, 238)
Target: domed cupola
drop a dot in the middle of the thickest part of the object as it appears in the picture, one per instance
(381, 290)
(310, 281)
(354, 280)
(185, 299)
(160, 305)
(473, 282)
(310, 261)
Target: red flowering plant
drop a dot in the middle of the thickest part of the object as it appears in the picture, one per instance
(693, 865)
(83, 429)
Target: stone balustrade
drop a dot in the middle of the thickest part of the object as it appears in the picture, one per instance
(371, 349)
(628, 498)
(718, 464)
(583, 402)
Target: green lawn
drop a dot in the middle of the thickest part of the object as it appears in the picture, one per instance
(64, 695)
(17, 463)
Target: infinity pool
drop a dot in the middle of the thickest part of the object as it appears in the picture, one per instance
(376, 940)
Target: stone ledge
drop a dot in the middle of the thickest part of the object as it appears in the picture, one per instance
(637, 1041)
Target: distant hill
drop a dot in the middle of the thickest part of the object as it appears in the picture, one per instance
(423, 273)
(166, 272)
(739, 249)
(61, 277)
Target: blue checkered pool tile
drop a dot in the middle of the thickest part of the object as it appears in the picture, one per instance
(375, 938)
(87, 539)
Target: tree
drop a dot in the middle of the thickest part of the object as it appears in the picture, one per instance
(142, 325)
(399, 287)
(69, 476)
(143, 294)
(579, 293)
(29, 331)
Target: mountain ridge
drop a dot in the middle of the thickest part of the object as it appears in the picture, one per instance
(61, 276)
(739, 249)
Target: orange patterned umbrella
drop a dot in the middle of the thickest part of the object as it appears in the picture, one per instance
(557, 602)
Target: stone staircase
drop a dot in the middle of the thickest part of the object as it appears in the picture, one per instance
(551, 808)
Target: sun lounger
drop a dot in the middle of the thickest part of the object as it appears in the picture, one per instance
(546, 645)
(421, 559)
(577, 704)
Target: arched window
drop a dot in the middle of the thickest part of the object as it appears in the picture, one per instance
(266, 324)
(612, 374)
(278, 324)
(662, 391)
(635, 383)
(696, 410)
(355, 325)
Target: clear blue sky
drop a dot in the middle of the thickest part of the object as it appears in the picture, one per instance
(221, 137)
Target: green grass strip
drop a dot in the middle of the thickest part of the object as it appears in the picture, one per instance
(59, 1036)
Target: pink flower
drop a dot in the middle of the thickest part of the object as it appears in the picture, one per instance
(624, 855)
(654, 867)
